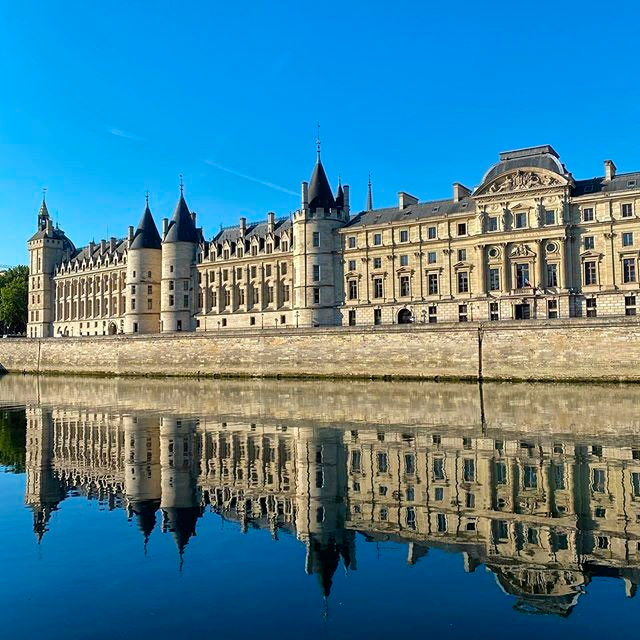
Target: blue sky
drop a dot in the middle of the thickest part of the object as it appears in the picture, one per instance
(102, 101)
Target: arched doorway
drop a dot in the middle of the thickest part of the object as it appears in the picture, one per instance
(404, 316)
(112, 329)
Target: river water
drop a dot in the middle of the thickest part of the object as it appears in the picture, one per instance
(142, 508)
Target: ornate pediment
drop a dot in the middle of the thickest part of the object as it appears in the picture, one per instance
(521, 180)
(521, 251)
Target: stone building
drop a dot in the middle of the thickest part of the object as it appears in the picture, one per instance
(530, 241)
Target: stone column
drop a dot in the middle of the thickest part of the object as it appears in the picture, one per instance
(276, 286)
(482, 277)
(233, 289)
(540, 263)
(562, 282)
(504, 275)
(219, 300)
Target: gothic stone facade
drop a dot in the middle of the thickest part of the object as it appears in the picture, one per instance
(529, 242)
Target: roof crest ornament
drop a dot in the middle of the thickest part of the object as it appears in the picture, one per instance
(181, 185)
(318, 143)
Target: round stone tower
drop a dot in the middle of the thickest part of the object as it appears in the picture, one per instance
(144, 270)
(317, 262)
(179, 285)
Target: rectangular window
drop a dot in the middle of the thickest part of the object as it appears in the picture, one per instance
(171, 285)
(316, 238)
(433, 283)
(377, 288)
(149, 289)
(149, 304)
(405, 286)
(463, 282)
(253, 271)
(589, 242)
(377, 316)
(629, 305)
(492, 223)
(352, 265)
(598, 480)
(592, 310)
(558, 475)
(629, 270)
(356, 459)
(530, 476)
(377, 263)
(462, 228)
(462, 255)
(269, 295)
(351, 242)
(587, 214)
(377, 239)
(267, 271)
(635, 482)
(240, 296)
(590, 273)
(353, 289)
(133, 303)
(463, 313)
(409, 463)
(627, 239)
(442, 523)
(404, 261)
(432, 257)
(433, 314)
(438, 469)
(227, 298)
(432, 233)
(283, 268)
(316, 272)
(316, 295)
(501, 473)
(521, 220)
(239, 273)
(522, 275)
(469, 470)
(549, 217)
(352, 317)
(552, 275)
(552, 309)
(627, 210)
(493, 311)
(383, 463)
(404, 235)
(494, 279)
(170, 301)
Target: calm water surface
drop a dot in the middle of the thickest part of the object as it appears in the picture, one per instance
(164, 509)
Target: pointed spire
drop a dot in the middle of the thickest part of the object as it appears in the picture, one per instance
(318, 144)
(340, 195)
(369, 194)
(146, 236)
(43, 211)
(182, 227)
(320, 194)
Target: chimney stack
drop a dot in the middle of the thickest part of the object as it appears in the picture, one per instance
(112, 243)
(103, 246)
(406, 200)
(345, 189)
(243, 226)
(271, 222)
(305, 194)
(165, 226)
(609, 170)
(92, 247)
(460, 192)
(130, 234)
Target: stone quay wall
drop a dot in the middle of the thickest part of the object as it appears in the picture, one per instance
(595, 349)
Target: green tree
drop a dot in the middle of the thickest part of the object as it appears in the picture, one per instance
(13, 427)
(14, 292)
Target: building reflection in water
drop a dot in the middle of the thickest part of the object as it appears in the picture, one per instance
(545, 513)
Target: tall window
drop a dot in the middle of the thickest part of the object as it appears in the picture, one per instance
(316, 238)
(552, 275)
(377, 263)
(383, 462)
(589, 242)
(462, 228)
(630, 306)
(377, 316)
(316, 272)
(552, 309)
(549, 217)
(463, 312)
(377, 239)
(404, 260)
(492, 223)
(353, 289)
(493, 311)
(627, 210)
(462, 255)
(404, 235)
(432, 233)
(316, 295)
(352, 265)
(469, 471)
(629, 270)
(438, 469)
(463, 282)
(521, 220)
(627, 239)
(522, 275)
(494, 279)
(530, 476)
(592, 309)
(433, 314)
(587, 214)
(432, 257)
(433, 283)
(377, 288)
(590, 273)
(351, 242)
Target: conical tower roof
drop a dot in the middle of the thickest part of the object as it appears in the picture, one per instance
(181, 228)
(320, 195)
(43, 211)
(340, 196)
(146, 236)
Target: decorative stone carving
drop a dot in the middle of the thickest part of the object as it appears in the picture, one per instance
(521, 250)
(523, 180)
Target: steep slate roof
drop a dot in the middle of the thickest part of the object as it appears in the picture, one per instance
(146, 236)
(621, 182)
(182, 227)
(86, 253)
(418, 211)
(257, 229)
(320, 194)
(340, 197)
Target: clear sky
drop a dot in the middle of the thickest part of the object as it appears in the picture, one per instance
(102, 101)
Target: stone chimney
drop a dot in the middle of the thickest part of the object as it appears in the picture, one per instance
(304, 195)
(130, 234)
(92, 247)
(112, 243)
(406, 200)
(609, 170)
(103, 246)
(49, 225)
(243, 226)
(460, 192)
(345, 189)
(165, 226)
(271, 222)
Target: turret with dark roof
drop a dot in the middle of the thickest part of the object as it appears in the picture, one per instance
(320, 195)
(146, 236)
(182, 227)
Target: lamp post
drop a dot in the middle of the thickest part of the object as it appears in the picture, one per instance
(297, 314)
